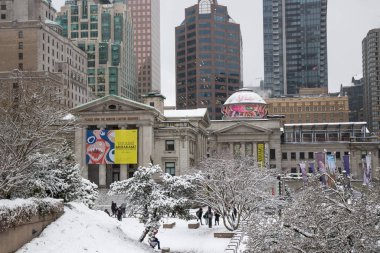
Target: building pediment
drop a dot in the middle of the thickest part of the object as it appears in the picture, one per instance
(113, 104)
(242, 128)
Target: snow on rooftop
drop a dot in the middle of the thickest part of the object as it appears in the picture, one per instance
(200, 112)
(358, 76)
(326, 124)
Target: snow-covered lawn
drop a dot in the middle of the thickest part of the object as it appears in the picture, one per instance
(83, 230)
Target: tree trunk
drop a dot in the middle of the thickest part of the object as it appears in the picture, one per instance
(144, 233)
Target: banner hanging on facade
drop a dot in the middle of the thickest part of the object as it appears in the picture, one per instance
(126, 147)
(303, 172)
(111, 147)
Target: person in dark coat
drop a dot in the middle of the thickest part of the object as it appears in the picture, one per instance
(106, 211)
(153, 240)
(217, 215)
(113, 208)
(119, 214)
(209, 216)
(199, 214)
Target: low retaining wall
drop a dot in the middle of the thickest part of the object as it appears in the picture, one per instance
(14, 238)
(234, 243)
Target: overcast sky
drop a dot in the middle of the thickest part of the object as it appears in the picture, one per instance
(348, 22)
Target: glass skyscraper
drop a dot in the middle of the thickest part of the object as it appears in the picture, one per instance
(295, 45)
(105, 33)
(208, 58)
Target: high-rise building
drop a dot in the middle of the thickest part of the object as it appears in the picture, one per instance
(208, 58)
(105, 33)
(32, 42)
(146, 28)
(354, 93)
(295, 45)
(371, 79)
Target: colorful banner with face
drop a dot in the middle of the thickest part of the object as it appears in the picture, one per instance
(111, 147)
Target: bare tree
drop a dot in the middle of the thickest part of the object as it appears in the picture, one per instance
(32, 123)
(234, 188)
(321, 219)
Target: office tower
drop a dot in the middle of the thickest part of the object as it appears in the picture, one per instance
(371, 79)
(355, 94)
(146, 28)
(104, 32)
(32, 43)
(208, 58)
(295, 45)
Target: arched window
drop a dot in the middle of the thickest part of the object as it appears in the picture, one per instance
(204, 6)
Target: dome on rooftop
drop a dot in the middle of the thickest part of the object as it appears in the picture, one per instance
(245, 104)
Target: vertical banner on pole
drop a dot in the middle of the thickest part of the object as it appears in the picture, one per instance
(367, 170)
(320, 158)
(261, 154)
(346, 164)
(304, 172)
(331, 164)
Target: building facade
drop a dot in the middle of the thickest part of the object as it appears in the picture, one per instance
(208, 58)
(178, 139)
(104, 32)
(355, 94)
(36, 45)
(146, 30)
(295, 45)
(308, 109)
(371, 79)
(23, 10)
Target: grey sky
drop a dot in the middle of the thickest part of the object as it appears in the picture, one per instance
(348, 23)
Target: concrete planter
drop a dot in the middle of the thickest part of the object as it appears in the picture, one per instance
(168, 225)
(193, 225)
(224, 235)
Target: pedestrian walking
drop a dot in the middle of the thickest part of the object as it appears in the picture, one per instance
(113, 209)
(199, 215)
(119, 214)
(205, 216)
(217, 215)
(209, 216)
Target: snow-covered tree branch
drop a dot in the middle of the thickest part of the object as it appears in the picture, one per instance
(235, 188)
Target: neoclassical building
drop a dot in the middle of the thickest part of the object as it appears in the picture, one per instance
(116, 135)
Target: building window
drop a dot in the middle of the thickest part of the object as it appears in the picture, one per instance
(272, 154)
(3, 7)
(293, 155)
(170, 168)
(3, 16)
(21, 66)
(20, 35)
(20, 56)
(284, 156)
(337, 155)
(204, 7)
(20, 45)
(169, 145)
(311, 155)
(302, 155)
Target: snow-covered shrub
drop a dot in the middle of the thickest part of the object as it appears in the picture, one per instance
(18, 211)
(152, 194)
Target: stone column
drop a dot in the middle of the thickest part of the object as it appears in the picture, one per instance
(254, 150)
(80, 149)
(242, 149)
(231, 151)
(146, 141)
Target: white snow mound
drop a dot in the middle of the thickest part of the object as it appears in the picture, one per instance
(81, 229)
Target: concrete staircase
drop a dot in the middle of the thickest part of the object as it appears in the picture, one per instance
(104, 201)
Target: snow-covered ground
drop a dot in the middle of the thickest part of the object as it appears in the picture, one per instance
(83, 230)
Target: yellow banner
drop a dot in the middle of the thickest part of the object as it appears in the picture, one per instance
(260, 152)
(126, 146)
